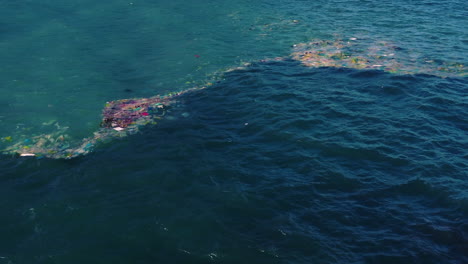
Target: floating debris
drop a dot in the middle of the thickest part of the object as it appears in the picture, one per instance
(125, 117)
(27, 155)
(380, 55)
(119, 118)
(122, 113)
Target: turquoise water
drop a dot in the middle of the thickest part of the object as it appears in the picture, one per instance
(273, 163)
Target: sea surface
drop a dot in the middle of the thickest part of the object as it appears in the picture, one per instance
(273, 162)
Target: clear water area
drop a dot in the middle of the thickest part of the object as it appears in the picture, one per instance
(277, 163)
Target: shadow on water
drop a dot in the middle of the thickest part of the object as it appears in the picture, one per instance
(276, 163)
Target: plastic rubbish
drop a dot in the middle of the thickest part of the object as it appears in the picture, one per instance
(126, 117)
(119, 119)
(381, 55)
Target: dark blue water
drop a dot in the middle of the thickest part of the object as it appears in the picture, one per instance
(274, 163)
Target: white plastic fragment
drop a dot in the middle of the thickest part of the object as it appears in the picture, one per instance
(119, 128)
(27, 155)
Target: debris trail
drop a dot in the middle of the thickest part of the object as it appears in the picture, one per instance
(120, 118)
(126, 116)
(379, 55)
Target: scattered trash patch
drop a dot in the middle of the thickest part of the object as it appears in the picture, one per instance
(127, 116)
(380, 55)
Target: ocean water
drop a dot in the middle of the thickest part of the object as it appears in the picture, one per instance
(274, 162)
